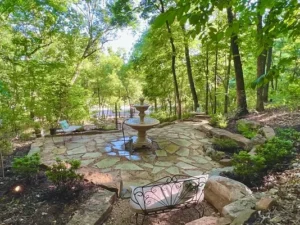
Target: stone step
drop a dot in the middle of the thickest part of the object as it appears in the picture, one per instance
(96, 210)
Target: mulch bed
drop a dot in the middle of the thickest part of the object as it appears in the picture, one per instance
(38, 202)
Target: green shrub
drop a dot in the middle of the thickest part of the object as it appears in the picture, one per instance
(25, 136)
(225, 144)
(276, 151)
(5, 146)
(246, 130)
(27, 166)
(288, 134)
(63, 174)
(217, 155)
(248, 166)
(163, 116)
(218, 120)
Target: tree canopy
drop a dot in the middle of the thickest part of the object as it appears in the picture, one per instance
(207, 55)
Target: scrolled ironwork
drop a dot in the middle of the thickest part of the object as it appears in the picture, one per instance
(168, 193)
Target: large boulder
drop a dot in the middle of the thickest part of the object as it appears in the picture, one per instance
(239, 139)
(243, 217)
(233, 209)
(258, 140)
(251, 124)
(210, 220)
(268, 132)
(205, 128)
(111, 181)
(95, 210)
(221, 191)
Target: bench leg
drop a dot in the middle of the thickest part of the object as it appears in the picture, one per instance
(200, 210)
(136, 219)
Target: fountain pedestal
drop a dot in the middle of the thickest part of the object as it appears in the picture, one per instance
(141, 125)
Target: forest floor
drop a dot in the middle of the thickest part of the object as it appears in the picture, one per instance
(284, 185)
(36, 202)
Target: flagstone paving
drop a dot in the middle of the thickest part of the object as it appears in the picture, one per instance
(178, 150)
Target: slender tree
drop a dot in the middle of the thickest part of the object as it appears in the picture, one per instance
(239, 76)
(189, 69)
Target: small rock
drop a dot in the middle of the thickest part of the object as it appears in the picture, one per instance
(268, 132)
(233, 209)
(242, 217)
(258, 140)
(273, 191)
(265, 203)
(276, 219)
(217, 171)
(253, 151)
(210, 220)
(226, 162)
(44, 213)
(8, 221)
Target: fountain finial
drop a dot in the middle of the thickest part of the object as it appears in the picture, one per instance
(142, 100)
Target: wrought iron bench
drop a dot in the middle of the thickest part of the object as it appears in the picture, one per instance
(169, 193)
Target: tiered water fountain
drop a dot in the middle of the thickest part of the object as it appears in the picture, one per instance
(142, 124)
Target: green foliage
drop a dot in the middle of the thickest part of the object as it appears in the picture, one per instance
(225, 144)
(163, 116)
(275, 152)
(5, 146)
(270, 156)
(218, 120)
(63, 174)
(246, 130)
(27, 166)
(248, 166)
(25, 136)
(288, 134)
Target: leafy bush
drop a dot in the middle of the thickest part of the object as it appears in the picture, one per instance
(246, 130)
(63, 174)
(270, 156)
(27, 166)
(248, 166)
(276, 151)
(225, 144)
(5, 146)
(288, 134)
(25, 136)
(163, 116)
(218, 120)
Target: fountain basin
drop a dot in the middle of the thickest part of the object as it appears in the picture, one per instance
(142, 140)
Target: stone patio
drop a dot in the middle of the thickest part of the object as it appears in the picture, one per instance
(178, 150)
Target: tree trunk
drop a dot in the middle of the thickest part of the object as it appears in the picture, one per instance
(268, 67)
(173, 63)
(170, 107)
(260, 62)
(189, 70)
(206, 80)
(99, 102)
(239, 76)
(227, 76)
(155, 105)
(215, 80)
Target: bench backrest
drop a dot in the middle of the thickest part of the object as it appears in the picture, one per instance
(169, 192)
(64, 124)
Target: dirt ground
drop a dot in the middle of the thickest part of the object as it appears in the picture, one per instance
(122, 215)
